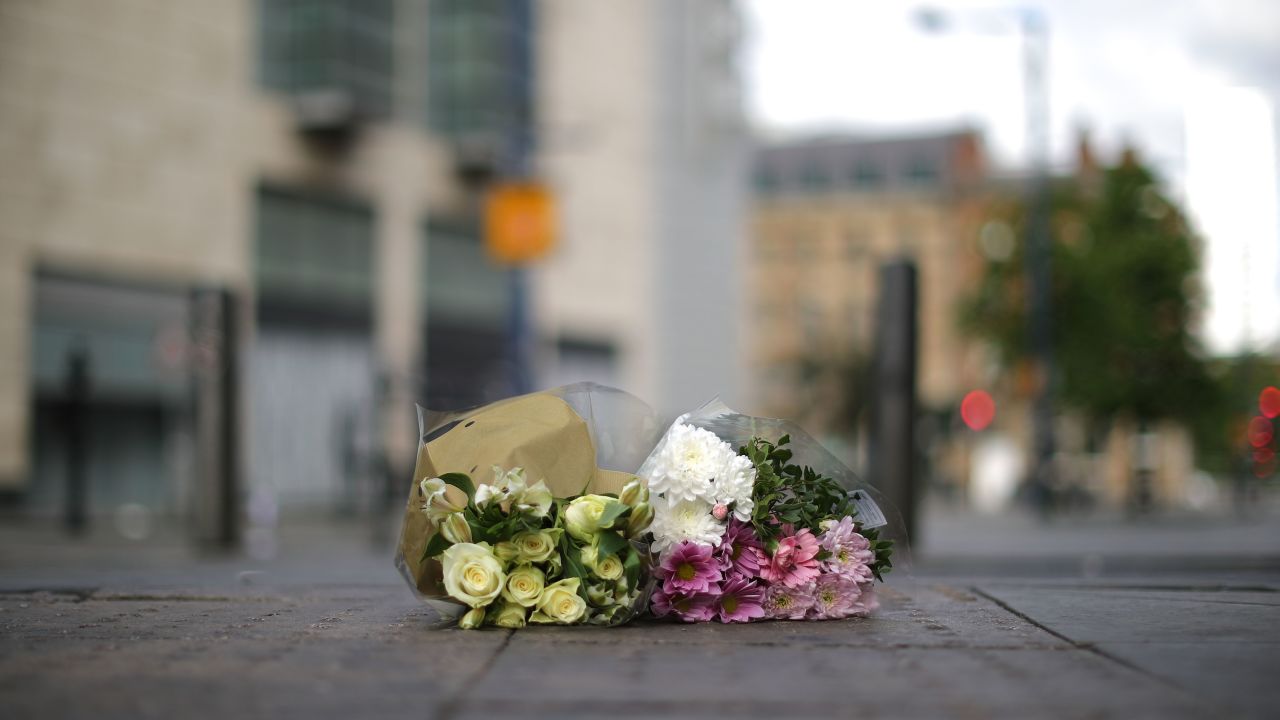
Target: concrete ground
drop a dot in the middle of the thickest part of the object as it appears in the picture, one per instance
(328, 630)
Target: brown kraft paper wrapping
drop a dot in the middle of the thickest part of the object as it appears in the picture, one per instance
(538, 432)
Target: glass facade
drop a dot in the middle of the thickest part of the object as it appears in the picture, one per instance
(314, 258)
(467, 305)
(329, 46)
(480, 61)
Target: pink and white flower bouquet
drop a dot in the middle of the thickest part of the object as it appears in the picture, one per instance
(743, 534)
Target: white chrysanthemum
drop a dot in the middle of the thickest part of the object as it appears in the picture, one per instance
(687, 466)
(685, 520)
(734, 482)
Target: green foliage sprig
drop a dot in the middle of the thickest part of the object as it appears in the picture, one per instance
(791, 494)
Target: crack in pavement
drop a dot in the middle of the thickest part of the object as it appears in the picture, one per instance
(450, 707)
(1087, 647)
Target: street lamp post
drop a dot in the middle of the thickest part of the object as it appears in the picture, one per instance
(1033, 30)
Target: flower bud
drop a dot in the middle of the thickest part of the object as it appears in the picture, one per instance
(583, 515)
(436, 501)
(509, 615)
(455, 529)
(589, 554)
(599, 595)
(472, 620)
(641, 516)
(634, 493)
(720, 511)
(506, 551)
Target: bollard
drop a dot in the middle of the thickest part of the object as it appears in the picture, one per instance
(76, 425)
(891, 452)
(216, 390)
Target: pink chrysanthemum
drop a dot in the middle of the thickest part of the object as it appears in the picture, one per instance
(859, 572)
(834, 596)
(788, 603)
(846, 546)
(866, 603)
(689, 568)
(740, 550)
(794, 563)
(741, 600)
(698, 607)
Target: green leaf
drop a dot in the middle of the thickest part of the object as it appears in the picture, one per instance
(436, 545)
(460, 481)
(612, 513)
(573, 566)
(610, 543)
(631, 566)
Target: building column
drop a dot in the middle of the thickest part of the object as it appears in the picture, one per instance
(15, 348)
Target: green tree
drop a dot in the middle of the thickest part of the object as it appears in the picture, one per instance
(1124, 294)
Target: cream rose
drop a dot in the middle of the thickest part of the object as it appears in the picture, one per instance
(472, 575)
(473, 619)
(608, 567)
(536, 547)
(510, 615)
(560, 603)
(524, 586)
(582, 517)
(506, 551)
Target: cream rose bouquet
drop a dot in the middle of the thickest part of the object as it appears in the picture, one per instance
(513, 554)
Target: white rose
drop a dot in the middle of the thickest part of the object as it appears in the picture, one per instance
(510, 615)
(560, 603)
(608, 568)
(472, 575)
(536, 547)
(524, 586)
(582, 517)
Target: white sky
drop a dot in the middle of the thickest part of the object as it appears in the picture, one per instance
(1128, 70)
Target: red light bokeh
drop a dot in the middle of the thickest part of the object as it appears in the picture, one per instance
(1260, 432)
(978, 409)
(1269, 402)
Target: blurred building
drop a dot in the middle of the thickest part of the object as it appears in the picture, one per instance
(828, 213)
(253, 228)
(644, 139)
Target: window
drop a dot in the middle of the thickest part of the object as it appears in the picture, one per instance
(814, 178)
(767, 181)
(582, 359)
(921, 171)
(867, 174)
(329, 46)
(467, 302)
(314, 256)
(462, 285)
(480, 68)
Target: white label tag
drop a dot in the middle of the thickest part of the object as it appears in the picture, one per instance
(869, 515)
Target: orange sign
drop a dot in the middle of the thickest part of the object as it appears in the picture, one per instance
(519, 223)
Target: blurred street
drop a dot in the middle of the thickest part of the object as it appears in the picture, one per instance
(328, 630)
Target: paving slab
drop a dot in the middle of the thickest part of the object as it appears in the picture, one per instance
(365, 651)
(1223, 645)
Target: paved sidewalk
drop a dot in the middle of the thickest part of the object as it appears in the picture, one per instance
(937, 649)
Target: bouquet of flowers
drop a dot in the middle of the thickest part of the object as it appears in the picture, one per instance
(549, 539)
(746, 534)
(513, 553)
